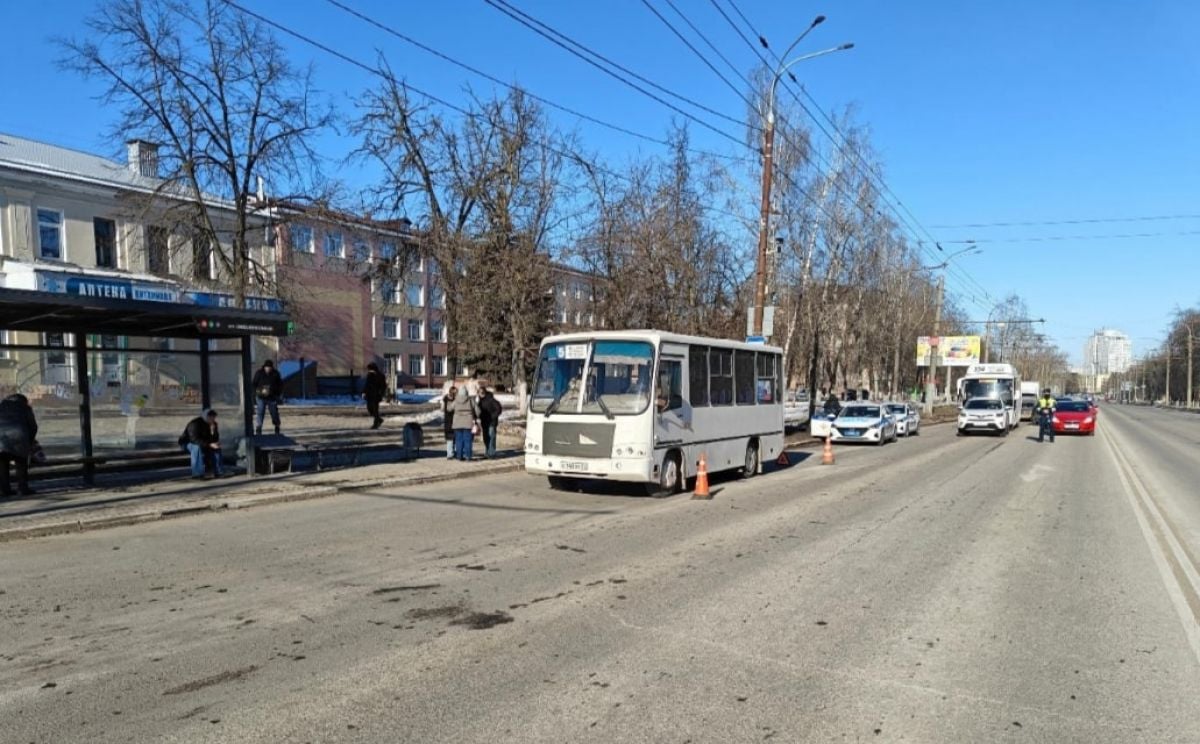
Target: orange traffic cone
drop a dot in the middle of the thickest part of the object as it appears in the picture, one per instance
(701, 491)
(827, 453)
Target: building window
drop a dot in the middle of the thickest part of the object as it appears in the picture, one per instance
(437, 331)
(105, 232)
(591, 320)
(202, 258)
(334, 246)
(439, 365)
(416, 329)
(562, 316)
(414, 295)
(578, 318)
(461, 370)
(387, 250)
(362, 250)
(437, 297)
(416, 364)
(4, 353)
(50, 234)
(158, 250)
(578, 291)
(391, 328)
(301, 237)
(387, 291)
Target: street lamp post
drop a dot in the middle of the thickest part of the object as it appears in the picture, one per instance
(936, 339)
(764, 222)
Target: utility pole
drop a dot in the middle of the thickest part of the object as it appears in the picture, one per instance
(1168, 370)
(931, 383)
(764, 220)
(1188, 404)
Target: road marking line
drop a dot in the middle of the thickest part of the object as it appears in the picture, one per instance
(1180, 576)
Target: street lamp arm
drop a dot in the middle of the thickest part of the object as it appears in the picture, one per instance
(786, 66)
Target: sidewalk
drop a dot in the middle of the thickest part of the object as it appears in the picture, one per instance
(146, 497)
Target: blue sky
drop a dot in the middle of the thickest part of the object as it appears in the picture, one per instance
(981, 112)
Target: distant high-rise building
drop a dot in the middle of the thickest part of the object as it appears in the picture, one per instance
(1107, 352)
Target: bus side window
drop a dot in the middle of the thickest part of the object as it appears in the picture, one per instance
(767, 391)
(670, 385)
(698, 376)
(743, 364)
(720, 377)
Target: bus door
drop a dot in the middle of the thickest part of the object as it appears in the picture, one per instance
(672, 419)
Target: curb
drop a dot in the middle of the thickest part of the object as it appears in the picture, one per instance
(100, 521)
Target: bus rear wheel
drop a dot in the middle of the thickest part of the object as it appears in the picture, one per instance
(750, 464)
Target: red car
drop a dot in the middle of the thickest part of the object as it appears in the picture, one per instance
(1073, 416)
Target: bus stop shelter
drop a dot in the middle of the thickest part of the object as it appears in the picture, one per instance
(131, 358)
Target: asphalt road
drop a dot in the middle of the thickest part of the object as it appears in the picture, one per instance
(935, 590)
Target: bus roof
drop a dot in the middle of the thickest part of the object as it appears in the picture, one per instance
(658, 337)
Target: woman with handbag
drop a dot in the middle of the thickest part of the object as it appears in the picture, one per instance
(464, 422)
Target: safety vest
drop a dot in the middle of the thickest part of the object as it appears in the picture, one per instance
(1045, 403)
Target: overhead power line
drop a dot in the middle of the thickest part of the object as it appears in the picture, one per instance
(1093, 221)
(573, 47)
(1053, 238)
(740, 93)
(541, 99)
(908, 219)
(551, 147)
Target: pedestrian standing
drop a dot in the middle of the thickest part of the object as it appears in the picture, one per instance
(489, 419)
(18, 441)
(268, 387)
(374, 389)
(448, 419)
(202, 437)
(466, 418)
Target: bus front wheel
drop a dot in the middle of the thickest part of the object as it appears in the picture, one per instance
(670, 477)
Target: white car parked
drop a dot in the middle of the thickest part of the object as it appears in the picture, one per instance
(864, 422)
(908, 418)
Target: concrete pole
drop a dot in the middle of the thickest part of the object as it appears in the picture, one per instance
(931, 383)
(1168, 393)
(1189, 369)
(764, 222)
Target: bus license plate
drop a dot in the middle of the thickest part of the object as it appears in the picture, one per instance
(578, 467)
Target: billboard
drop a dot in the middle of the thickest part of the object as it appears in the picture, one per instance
(953, 351)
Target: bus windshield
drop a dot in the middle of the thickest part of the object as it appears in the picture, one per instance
(1000, 388)
(618, 378)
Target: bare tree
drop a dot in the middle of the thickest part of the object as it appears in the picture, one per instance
(216, 93)
(489, 195)
(666, 263)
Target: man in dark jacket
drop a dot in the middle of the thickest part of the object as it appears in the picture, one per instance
(18, 434)
(448, 419)
(489, 418)
(203, 441)
(268, 387)
(374, 388)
